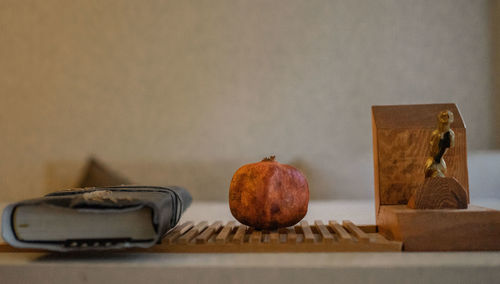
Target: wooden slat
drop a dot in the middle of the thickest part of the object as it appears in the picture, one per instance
(306, 230)
(291, 236)
(368, 228)
(239, 236)
(274, 237)
(255, 237)
(342, 234)
(224, 233)
(326, 237)
(187, 237)
(178, 231)
(205, 236)
(266, 237)
(282, 235)
(357, 232)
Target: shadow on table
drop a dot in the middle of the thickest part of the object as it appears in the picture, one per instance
(87, 256)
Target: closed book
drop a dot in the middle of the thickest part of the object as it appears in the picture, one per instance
(95, 218)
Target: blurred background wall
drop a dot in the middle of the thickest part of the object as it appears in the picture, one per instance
(185, 92)
(495, 53)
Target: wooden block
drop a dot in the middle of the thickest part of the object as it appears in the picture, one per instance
(323, 231)
(239, 236)
(212, 229)
(439, 193)
(474, 228)
(187, 237)
(401, 136)
(177, 231)
(342, 234)
(357, 232)
(224, 233)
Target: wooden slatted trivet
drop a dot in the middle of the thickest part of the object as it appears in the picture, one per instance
(318, 237)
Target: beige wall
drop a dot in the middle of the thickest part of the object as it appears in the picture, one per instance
(184, 92)
(495, 53)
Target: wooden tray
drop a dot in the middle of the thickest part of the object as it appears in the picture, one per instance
(218, 238)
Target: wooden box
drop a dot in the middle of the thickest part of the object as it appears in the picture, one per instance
(401, 135)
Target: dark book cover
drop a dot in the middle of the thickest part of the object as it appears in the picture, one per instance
(165, 204)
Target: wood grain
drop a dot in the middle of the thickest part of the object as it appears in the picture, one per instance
(326, 236)
(439, 193)
(178, 231)
(255, 237)
(474, 228)
(401, 136)
(291, 236)
(357, 232)
(212, 229)
(306, 230)
(414, 115)
(239, 236)
(223, 235)
(192, 233)
(274, 237)
(341, 233)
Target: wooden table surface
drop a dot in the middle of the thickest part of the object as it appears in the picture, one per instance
(455, 267)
